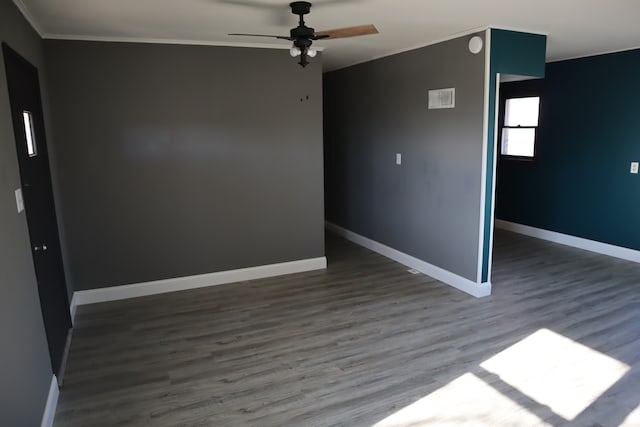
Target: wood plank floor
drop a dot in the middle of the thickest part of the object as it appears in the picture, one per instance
(365, 343)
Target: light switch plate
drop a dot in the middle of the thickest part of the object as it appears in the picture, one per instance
(398, 158)
(634, 167)
(19, 200)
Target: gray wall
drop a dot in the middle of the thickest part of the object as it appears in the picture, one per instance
(25, 368)
(182, 160)
(429, 207)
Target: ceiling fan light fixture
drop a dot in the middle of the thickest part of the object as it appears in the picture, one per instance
(303, 36)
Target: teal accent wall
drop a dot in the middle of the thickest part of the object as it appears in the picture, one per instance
(589, 133)
(516, 53)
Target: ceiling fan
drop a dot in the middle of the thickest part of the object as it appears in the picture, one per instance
(303, 36)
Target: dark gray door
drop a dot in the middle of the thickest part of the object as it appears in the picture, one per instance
(28, 126)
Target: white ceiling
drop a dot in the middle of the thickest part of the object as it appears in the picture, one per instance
(575, 27)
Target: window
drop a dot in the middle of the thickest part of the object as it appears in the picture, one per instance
(28, 132)
(520, 126)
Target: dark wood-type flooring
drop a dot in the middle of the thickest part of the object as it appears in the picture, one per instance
(366, 343)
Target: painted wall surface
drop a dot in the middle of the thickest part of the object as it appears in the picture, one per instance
(589, 133)
(428, 207)
(183, 160)
(517, 53)
(25, 368)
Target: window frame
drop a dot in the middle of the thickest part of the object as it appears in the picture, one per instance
(29, 134)
(513, 94)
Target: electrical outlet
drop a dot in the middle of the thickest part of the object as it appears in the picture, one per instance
(634, 167)
(398, 158)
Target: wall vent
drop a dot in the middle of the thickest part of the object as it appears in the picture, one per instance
(442, 98)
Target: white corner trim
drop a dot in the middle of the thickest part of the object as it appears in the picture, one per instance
(485, 149)
(52, 403)
(568, 240)
(192, 282)
(458, 282)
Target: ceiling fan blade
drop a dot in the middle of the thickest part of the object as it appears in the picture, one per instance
(338, 33)
(260, 35)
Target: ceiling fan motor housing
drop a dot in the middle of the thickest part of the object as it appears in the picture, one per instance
(302, 32)
(300, 7)
(302, 35)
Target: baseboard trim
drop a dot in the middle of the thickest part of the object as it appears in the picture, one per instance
(472, 288)
(73, 307)
(52, 403)
(568, 240)
(92, 296)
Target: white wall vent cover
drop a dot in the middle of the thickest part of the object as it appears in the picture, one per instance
(442, 98)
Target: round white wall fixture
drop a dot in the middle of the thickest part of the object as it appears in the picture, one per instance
(475, 44)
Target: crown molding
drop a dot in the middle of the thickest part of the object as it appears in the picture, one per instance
(29, 17)
(607, 52)
(463, 33)
(109, 39)
(518, 30)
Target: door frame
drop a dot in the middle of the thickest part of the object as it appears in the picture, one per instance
(62, 314)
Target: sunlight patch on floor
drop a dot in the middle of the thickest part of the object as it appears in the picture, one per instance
(464, 402)
(548, 368)
(556, 371)
(633, 419)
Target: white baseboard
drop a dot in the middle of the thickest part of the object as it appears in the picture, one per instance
(92, 296)
(452, 279)
(568, 240)
(52, 403)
